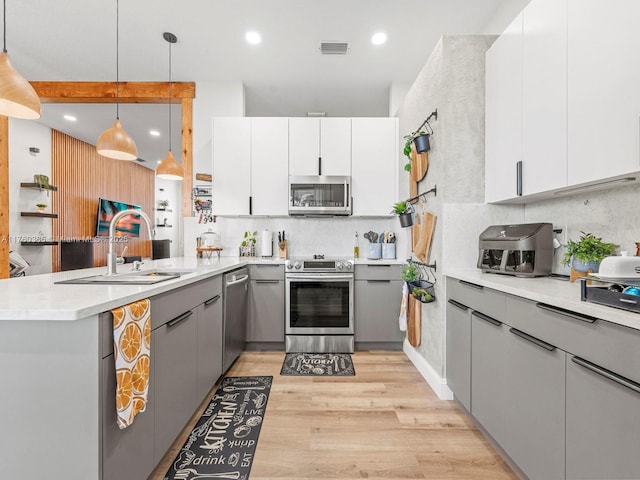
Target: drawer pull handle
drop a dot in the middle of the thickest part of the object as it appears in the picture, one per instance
(566, 313)
(487, 318)
(458, 305)
(625, 382)
(378, 281)
(378, 266)
(267, 281)
(267, 265)
(179, 319)
(472, 285)
(534, 340)
(212, 300)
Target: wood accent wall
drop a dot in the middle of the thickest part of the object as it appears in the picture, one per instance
(4, 197)
(82, 176)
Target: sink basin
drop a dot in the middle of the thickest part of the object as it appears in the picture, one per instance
(134, 278)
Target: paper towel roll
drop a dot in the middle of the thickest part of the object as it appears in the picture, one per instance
(266, 244)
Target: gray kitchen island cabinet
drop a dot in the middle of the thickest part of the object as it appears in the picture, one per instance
(603, 421)
(458, 351)
(266, 312)
(210, 336)
(377, 297)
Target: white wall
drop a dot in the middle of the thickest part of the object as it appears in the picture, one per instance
(397, 92)
(22, 166)
(502, 17)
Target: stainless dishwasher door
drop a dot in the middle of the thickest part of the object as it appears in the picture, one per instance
(236, 286)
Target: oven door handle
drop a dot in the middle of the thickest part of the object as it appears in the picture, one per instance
(306, 277)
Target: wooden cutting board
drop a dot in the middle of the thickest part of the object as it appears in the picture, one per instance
(414, 321)
(422, 247)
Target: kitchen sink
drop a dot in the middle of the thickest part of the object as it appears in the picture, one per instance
(134, 278)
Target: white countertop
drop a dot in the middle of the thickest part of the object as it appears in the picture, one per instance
(37, 297)
(552, 291)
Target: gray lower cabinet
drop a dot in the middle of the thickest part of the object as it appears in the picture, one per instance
(377, 306)
(603, 421)
(488, 383)
(459, 351)
(126, 454)
(266, 311)
(210, 337)
(535, 405)
(175, 378)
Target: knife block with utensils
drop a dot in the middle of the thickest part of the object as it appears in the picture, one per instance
(282, 249)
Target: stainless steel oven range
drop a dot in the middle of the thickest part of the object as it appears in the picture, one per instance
(319, 305)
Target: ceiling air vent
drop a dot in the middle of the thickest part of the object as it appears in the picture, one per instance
(334, 48)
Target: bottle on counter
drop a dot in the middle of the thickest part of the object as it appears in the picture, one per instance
(356, 248)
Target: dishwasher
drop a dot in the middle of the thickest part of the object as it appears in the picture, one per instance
(236, 287)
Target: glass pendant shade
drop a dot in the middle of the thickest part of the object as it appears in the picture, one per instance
(116, 143)
(18, 99)
(169, 168)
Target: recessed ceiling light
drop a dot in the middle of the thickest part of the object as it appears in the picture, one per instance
(379, 38)
(154, 133)
(70, 118)
(159, 161)
(253, 38)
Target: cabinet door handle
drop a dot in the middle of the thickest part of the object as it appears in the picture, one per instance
(487, 318)
(319, 165)
(266, 265)
(566, 313)
(519, 178)
(534, 340)
(378, 281)
(472, 285)
(462, 307)
(267, 281)
(625, 382)
(250, 205)
(378, 266)
(212, 300)
(179, 318)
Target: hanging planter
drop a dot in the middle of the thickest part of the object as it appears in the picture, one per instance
(404, 210)
(421, 143)
(422, 290)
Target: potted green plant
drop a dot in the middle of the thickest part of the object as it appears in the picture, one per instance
(410, 273)
(248, 245)
(404, 210)
(41, 207)
(420, 140)
(587, 253)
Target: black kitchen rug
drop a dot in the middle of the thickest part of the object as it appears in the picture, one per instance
(223, 442)
(338, 364)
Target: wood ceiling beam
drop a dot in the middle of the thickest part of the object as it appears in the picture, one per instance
(105, 92)
(4, 197)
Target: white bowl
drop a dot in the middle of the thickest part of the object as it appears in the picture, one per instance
(620, 267)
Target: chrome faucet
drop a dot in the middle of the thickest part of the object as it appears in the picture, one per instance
(111, 255)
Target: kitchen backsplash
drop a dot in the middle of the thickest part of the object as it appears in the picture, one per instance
(332, 236)
(610, 214)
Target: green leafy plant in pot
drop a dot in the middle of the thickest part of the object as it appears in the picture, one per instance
(420, 140)
(248, 245)
(587, 253)
(410, 273)
(404, 210)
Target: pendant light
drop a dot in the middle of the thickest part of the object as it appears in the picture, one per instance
(18, 98)
(115, 142)
(169, 168)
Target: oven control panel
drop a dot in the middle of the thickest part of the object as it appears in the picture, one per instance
(319, 265)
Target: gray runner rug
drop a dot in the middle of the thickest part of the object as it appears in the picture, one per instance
(337, 364)
(223, 442)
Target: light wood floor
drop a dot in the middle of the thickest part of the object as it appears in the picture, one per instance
(384, 423)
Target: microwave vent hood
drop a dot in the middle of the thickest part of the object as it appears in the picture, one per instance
(320, 195)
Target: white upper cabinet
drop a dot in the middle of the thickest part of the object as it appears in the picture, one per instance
(503, 118)
(544, 96)
(604, 89)
(231, 165)
(269, 165)
(319, 146)
(374, 161)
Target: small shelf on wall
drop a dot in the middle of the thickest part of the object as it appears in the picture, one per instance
(38, 186)
(38, 244)
(38, 214)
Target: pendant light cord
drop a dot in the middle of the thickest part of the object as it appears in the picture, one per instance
(170, 95)
(117, 59)
(4, 26)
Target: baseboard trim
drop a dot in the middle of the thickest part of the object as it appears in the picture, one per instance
(435, 381)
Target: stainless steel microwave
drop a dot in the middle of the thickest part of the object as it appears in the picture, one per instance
(319, 195)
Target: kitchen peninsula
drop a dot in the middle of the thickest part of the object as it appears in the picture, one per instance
(54, 339)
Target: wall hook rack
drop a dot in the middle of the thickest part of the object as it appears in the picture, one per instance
(433, 115)
(423, 194)
(432, 266)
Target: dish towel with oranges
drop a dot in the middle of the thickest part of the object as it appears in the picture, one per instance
(131, 349)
